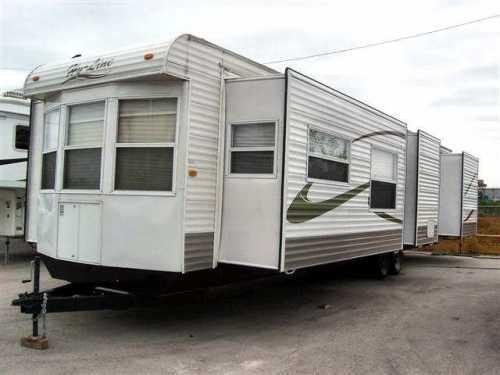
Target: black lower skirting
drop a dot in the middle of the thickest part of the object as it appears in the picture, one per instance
(147, 280)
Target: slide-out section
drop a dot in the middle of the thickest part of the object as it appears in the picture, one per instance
(422, 189)
(344, 177)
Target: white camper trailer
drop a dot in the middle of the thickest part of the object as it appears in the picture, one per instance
(14, 135)
(423, 171)
(458, 208)
(184, 156)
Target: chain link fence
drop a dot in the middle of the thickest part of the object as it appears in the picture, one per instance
(489, 210)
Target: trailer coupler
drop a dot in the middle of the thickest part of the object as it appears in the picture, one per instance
(73, 297)
(66, 298)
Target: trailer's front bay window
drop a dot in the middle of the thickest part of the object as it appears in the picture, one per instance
(145, 145)
(82, 155)
(383, 183)
(252, 148)
(50, 143)
(328, 157)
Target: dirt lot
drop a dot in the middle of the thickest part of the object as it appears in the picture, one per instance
(487, 225)
(441, 315)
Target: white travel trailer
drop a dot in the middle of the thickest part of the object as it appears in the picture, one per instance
(14, 135)
(458, 208)
(184, 156)
(423, 172)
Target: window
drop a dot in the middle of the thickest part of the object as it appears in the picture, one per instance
(145, 145)
(252, 148)
(82, 150)
(49, 151)
(328, 157)
(383, 184)
(22, 139)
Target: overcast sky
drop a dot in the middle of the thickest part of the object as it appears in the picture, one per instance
(447, 84)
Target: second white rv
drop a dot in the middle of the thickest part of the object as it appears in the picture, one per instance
(458, 209)
(14, 136)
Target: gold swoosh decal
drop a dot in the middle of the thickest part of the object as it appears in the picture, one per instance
(302, 209)
(388, 217)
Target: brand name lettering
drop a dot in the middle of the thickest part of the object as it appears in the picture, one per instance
(97, 69)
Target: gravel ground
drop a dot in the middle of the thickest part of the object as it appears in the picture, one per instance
(440, 316)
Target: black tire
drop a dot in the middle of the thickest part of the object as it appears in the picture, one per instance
(395, 266)
(382, 265)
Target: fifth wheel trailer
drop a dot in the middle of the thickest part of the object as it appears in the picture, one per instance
(14, 133)
(458, 208)
(183, 158)
(423, 171)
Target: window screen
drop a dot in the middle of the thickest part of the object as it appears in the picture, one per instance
(22, 137)
(328, 157)
(82, 168)
(49, 150)
(328, 145)
(328, 169)
(49, 170)
(383, 165)
(147, 121)
(252, 148)
(253, 135)
(383, 184)
(383, 195)
(252, 162)
(86, 123)
(51, 130)
(144, 168)
(146, 144)
(82, 155)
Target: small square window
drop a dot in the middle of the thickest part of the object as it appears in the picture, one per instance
(328, 157)
(22, 140)
(383, 184)
(252, 148)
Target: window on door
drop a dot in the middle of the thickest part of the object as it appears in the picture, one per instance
(83, 146)
(252, 148)
(383, 179)
(49, 150)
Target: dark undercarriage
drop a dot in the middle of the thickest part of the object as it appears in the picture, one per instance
(147, 280)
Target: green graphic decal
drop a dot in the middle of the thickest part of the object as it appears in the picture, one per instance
(470, 184)
(388, 217)
(302, 209)
(382, 132)
(469, 215)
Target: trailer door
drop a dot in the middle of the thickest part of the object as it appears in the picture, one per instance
(251, 202)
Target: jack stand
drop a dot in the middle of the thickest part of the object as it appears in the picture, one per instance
(35, 341)
(6, 254)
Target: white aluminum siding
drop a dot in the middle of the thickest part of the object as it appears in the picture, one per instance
(310, 104)
(470, 189)
(202, 65)
(429, 171)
